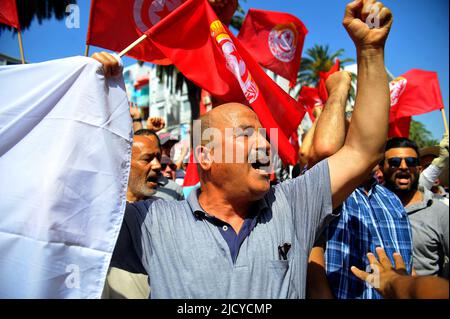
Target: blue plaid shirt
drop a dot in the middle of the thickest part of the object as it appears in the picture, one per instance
(365, 222)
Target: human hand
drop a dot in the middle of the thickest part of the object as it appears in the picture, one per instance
(111, 66)
(339, 82)
(155, 123)
(360, 16)
(134, 112)
(443, 152)
(443, 146)
(384, 273)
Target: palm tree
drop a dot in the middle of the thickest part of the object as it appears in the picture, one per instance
(318, 59)
(41, 9)
(419, 134)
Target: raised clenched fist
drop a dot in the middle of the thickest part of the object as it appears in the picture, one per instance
(368, 23)
(155, 123)
(339, 82)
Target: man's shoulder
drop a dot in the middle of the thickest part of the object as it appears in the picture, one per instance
(157, 205)
(173, 185)
(439, 205)
(314, 174)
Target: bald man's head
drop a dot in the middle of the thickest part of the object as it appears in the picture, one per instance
(224, 116)
(227, 151)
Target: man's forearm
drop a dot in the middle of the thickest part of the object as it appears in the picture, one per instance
(368, 130)
(137, 125)
(407, 287)
(329, 135)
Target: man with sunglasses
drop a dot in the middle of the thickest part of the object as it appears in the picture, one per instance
(168, 168)
(427, 214)
(371, 216)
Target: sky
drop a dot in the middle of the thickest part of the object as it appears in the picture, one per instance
(419, 38)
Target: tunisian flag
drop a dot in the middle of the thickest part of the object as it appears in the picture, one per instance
(8, 13)
(275, 40)
(323, 93)
(209, 55)
(115, 24)
(413, 93)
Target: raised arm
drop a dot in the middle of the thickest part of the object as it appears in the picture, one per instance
(364, 144)
(432, 172)
(329, 134)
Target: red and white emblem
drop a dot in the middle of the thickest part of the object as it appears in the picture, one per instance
(283, 42)
(235, 63)
(147, 13)
(396, 88)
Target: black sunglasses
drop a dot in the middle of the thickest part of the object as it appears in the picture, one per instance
(172, 166)
(397, 161)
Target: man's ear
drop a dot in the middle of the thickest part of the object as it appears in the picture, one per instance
(203, 157)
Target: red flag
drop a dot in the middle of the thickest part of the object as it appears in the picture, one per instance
(310, 98)
(275, 40)
(415, 92)
(191, 177)
(209, 55)
(400, 127)
(323, 93)
(115, 24)
(8, 13)
(141, 82)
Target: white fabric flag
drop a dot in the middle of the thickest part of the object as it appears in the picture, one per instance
(65, 148)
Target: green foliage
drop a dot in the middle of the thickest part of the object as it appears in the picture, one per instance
(419, 134)
(319, 59)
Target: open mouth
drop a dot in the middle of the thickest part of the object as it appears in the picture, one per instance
(403, 178)
(262, 168)
(260, 162)
(152, 181)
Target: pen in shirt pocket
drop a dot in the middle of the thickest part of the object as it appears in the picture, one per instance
(283, 251)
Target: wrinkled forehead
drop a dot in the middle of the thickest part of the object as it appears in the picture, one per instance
(241, 118)
(400, 152)
(145, 144)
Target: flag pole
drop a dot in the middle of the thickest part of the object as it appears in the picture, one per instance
(132, 45)
(86, 51)
(20, 45)
(444, 118)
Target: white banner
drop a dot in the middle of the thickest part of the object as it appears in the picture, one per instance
(65, 147)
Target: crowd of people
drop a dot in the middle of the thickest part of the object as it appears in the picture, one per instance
(312, 234)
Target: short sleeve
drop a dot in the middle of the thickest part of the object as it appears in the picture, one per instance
(309, 197)
(129, 252)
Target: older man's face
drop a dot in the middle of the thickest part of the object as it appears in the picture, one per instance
(145, 167)
(242, 168)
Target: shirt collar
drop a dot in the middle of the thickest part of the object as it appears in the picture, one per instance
(373, 185)
(199, 212)
(192, 200)
(427, 201)
(162, 180)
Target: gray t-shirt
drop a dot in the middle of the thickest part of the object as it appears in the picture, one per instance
(429, 224)
(185, 255)
(168, 190)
